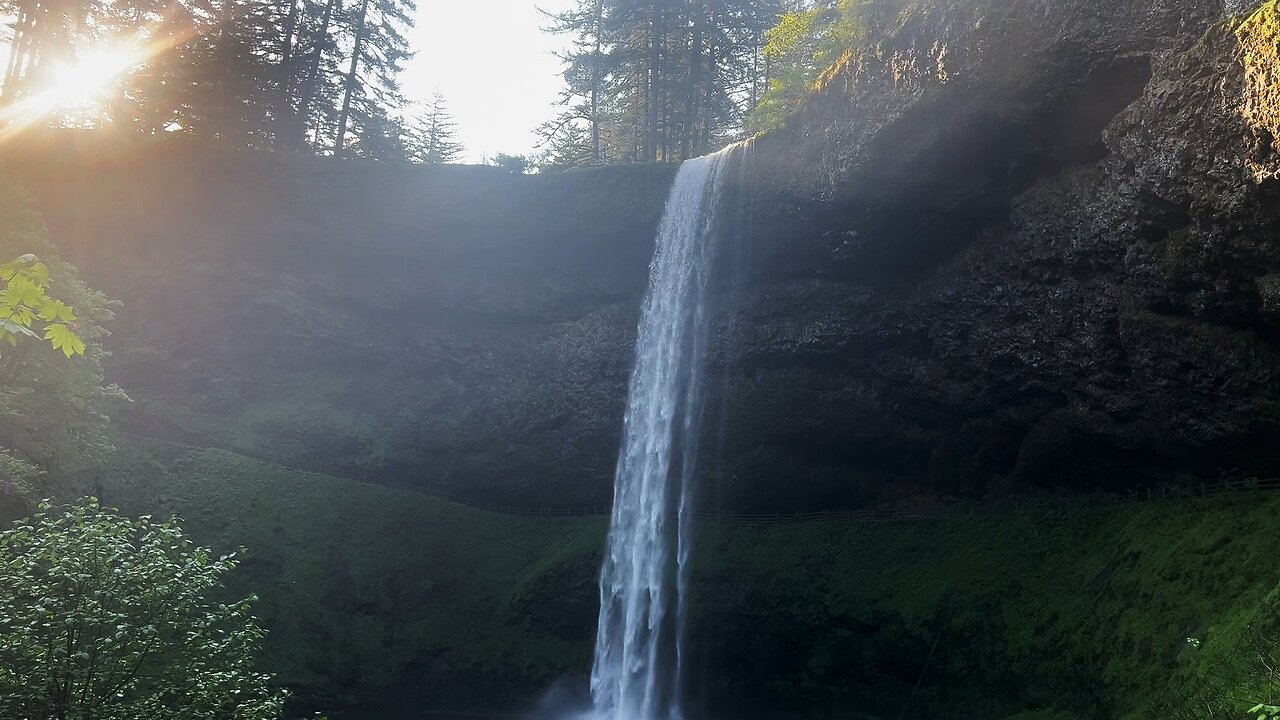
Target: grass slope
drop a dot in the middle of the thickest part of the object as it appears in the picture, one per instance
(374, 596)
(1085, 614)
(381, 600)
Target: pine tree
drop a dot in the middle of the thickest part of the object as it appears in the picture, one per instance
(434, 139)
(254, 73)
(370, 89)
(657, 79)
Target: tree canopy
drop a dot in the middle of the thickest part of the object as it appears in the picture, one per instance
(433, 137)
(294, 75)
(53, 408)
(658, 80)
(110, 618)
(664, 80)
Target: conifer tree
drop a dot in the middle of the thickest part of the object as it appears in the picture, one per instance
(370, 88)
(434, 139)
(661, 80)
(254, 73)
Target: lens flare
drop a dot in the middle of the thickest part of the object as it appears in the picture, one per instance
(86, 82)
(80, 87)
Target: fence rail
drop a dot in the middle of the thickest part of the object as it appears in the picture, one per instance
(897, 512)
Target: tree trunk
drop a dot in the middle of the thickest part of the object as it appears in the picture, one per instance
(651, 95)
(313, 72)
(15, 49)
(286, 46)
(688, 139)
(709, 79)
(286, 119)
(339, 144)
(19, 53)
(596, 59)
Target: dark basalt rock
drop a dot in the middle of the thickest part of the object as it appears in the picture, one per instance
(1083, 308)
(1018, 245)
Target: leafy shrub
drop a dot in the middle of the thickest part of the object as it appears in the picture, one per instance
(110, 618)
(53, 411)
(1265, 712)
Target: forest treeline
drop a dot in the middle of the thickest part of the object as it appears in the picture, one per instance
(319, 75)
(645, 80)
(665, 80)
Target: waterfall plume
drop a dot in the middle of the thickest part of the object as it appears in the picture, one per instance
(639, 651)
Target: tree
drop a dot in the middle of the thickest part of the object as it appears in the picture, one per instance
(811, 36)
(252, 73)
(110, 618)
(657, 80)
(514, 164)
(369, 87)
(434, 138)
(24, 303)
(54, 420)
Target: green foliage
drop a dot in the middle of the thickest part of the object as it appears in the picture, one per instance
(53, 412)
(514, 164)
(432, 139)
(1085, 613)
(24, 298)
(1044, 615)
(18, 478)
(352, 613)
(809, 38)
(115, 619)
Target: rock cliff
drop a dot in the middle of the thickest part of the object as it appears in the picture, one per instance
(1015, 245)
(1028, 244)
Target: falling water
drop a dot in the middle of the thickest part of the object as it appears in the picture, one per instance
(637, 670)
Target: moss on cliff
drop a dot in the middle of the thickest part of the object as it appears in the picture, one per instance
(1259, 38)
(1088, 613)
(380, 599)
(376, 597)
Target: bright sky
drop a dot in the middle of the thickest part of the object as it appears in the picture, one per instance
(494, 66)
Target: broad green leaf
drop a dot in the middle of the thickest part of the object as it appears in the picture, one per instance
(64, 339)
(56, 310)
(22, 315)
(23, 291)
(39, 272)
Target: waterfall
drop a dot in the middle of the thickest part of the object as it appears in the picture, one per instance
(639, 643)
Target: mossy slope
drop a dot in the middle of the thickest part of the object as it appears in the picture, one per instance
(380, 600)
(1088, 613)
(377, 597)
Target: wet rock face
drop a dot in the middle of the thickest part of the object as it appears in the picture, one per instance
(455, 328)
(1099, 315)
(1020, 244)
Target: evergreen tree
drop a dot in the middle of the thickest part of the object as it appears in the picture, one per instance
(375, 31)
(810, 36)
(255, 73)
(657, 80)
(434, 139)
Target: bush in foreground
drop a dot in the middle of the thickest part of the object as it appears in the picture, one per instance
(110, 618)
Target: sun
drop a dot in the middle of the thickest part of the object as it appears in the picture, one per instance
(74, 92)
(84, 83)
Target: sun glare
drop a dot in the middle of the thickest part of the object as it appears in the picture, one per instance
(89, 80)
(75, 91)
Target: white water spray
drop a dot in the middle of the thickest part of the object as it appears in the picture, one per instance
(639, 643)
